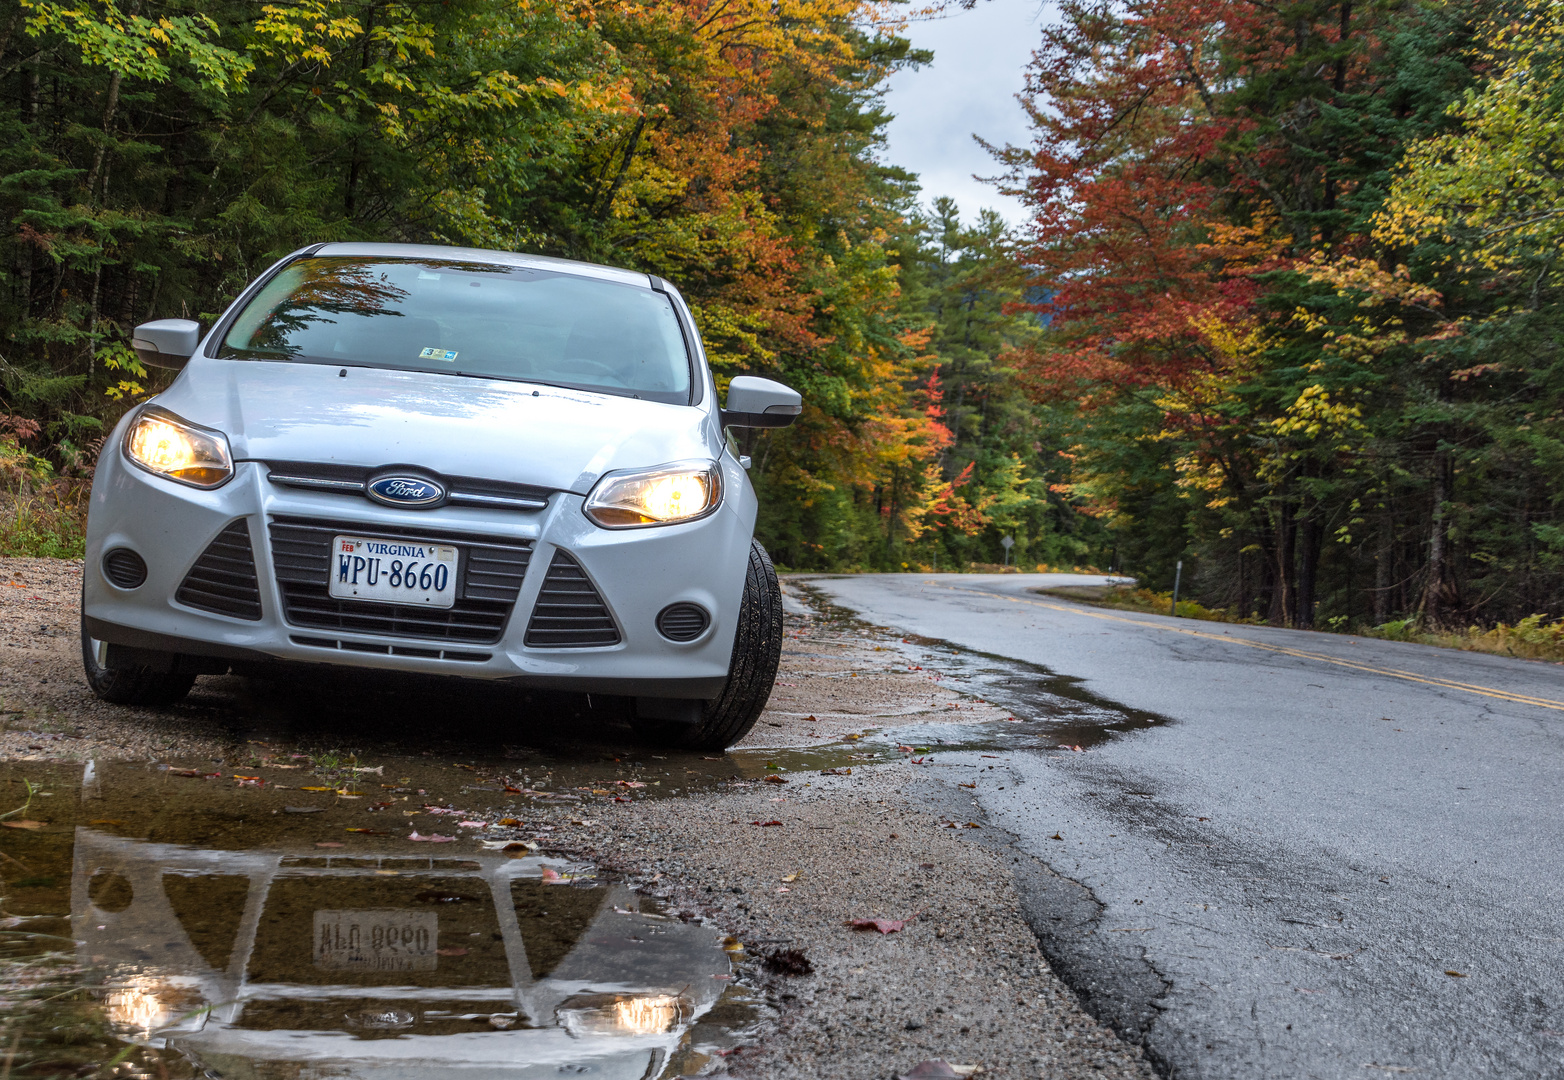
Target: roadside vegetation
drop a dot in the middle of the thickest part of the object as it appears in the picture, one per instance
(1536, 637)
(1285, 308)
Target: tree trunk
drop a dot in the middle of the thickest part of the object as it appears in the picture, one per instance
(1384, 560)
(1284, 601)
(1308, 568)
(108, 119)
(1437, 593)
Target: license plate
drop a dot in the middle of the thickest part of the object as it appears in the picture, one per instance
(381, 939)
(393, 571)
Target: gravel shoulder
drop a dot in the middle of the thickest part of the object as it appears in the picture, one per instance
(961, 979)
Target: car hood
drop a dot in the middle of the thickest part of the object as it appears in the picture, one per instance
(520, 432)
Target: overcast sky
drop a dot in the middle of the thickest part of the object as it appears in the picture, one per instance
(979, 57)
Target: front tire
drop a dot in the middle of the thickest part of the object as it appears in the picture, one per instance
(757, 650)
(131, 685)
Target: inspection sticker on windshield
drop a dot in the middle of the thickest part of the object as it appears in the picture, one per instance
(413, 572)
(437, 354)
(379, 939)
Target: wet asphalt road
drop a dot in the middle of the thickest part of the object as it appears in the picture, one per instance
(1314, 867)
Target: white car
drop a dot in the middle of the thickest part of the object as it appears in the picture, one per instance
(448, 461)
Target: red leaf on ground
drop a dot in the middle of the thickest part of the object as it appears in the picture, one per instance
(884, 926)
(765, 824)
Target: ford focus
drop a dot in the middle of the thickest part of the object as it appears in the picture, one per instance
(444, 461)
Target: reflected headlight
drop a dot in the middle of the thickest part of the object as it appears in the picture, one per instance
(623, 1014)
(661, 496)
(162, 443)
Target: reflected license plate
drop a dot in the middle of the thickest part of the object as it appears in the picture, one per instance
(393, 571)
(382, 939)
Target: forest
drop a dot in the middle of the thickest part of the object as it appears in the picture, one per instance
(1285, 308)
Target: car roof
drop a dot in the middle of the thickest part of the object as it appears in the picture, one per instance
(482, 255)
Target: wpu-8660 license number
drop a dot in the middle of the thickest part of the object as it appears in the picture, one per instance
(393, 571)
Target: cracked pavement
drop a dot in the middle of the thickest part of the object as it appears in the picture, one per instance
(1334, 857)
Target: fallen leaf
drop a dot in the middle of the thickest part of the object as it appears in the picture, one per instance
(472, 824)
(552, 876)
(317, 789)
(789, 878)
(24, 824)
(600, 791)
(630, 783)
(807, 719)
(972, 825)
(836, 772)
(884, 926)
(775, 779)
(1056, 836)
(765, 824)
(106, 821)
(508, 821)
(432, 838)
(1455, 974)
(370, 832)
(971, 785)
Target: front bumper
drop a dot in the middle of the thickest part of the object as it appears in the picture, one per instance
(636, 574)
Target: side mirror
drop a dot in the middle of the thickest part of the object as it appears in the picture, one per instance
(760, 403)
(166, 343)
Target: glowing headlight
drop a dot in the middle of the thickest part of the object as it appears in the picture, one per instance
(164, 444)
(658, 496)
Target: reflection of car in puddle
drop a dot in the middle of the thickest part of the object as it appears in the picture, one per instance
(271, 963)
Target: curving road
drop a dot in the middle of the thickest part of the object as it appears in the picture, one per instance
(1334, 857)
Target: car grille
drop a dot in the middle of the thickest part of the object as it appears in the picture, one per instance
(223, 578)
(569, 613)
(460, 490)
(491, 578)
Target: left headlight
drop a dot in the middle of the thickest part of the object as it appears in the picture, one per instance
(162, 443)
(665, 495)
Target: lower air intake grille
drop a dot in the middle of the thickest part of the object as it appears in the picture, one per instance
(682, 622)
(223, 578)
(569, 613)
(125, 568)
(491, 577)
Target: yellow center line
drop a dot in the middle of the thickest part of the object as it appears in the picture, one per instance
(1285, 650)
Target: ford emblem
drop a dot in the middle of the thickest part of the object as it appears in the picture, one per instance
(406, 491)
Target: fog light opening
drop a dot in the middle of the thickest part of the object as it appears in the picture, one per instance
(124, 568)
(682, 622)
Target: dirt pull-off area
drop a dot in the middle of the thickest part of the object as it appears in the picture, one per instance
(809, 826)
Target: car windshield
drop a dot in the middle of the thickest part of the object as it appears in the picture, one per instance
(463, 318)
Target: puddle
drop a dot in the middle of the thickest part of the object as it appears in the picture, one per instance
(1049, 709)
(211, 932)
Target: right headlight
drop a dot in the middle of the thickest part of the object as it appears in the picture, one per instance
(665, 495)
(162, 443)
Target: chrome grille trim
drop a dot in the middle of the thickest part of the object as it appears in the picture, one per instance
(460, 490)
(317, 482)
